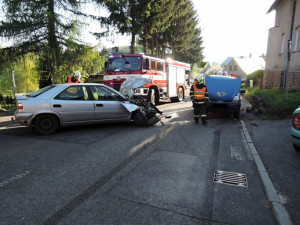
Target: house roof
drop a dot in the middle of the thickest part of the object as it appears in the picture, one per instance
(248, 65)
(207, 67)
(274, 5)
(227, 61)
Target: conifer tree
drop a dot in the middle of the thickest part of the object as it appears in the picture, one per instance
(127, 16)
(157, 22)
(184, 36)
(40, 26)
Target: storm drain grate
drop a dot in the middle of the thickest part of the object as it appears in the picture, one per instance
(230, 178)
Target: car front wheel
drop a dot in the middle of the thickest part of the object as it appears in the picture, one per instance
(46, 124)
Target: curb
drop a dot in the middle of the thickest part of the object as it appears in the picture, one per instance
(281, 215)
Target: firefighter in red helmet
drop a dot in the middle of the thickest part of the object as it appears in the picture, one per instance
(199, 97)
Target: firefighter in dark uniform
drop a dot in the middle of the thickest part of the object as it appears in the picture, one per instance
(199, 97)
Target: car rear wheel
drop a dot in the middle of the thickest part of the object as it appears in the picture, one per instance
(46, 124)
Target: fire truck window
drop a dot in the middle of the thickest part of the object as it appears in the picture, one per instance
(135, 63)
(159, 66)
(146, 64)
(152, 65)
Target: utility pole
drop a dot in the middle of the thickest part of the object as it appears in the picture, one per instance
(286, 78)
(14, 83)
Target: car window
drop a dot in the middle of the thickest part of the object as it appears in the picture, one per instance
(102, 93)
(73, 93)
(40, 91)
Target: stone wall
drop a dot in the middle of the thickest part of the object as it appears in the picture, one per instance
(274, 79)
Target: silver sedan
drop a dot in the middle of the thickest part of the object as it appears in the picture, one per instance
(49, 108)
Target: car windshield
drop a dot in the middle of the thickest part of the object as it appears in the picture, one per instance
(40, 91)
(128, 63)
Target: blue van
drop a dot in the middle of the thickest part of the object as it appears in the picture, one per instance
(224, 94)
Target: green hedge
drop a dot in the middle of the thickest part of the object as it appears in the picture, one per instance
(255, 76)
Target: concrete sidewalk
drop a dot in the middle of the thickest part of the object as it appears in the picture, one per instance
(7, 120)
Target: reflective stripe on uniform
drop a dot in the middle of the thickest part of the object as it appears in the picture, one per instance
(199, 93)
(72, 90)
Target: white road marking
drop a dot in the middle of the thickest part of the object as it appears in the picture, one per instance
(235, 154)
(14, 178)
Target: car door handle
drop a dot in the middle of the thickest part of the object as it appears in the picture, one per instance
(56, 105)
(99, 105)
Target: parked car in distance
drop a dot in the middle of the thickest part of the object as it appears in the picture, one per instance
(49, 108)
(295, 130)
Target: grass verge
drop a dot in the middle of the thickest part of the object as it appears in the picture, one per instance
(7, 110)
(274, 102)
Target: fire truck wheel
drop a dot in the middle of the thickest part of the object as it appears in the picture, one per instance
(180, 95)
(153, 96)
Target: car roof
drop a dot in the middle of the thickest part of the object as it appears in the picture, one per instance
(67, 84)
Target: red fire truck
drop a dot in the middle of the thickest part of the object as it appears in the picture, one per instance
(168, 77)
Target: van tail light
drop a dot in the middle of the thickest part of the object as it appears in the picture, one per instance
(296, 121)
(20, 106)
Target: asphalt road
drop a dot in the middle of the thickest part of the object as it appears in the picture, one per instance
(122, 174)
(272, 140)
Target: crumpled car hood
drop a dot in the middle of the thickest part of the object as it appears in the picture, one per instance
(130, 107)
(128, 86)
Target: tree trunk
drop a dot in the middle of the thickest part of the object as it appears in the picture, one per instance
(145, 46)
(156, 37)
(152, 45)
(53, 51)
(132, 46)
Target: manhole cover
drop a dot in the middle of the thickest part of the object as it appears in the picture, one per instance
(230, 178)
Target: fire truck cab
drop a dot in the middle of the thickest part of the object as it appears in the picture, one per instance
(168, 77)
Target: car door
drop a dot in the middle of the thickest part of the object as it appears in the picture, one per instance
(74, 105)
(108, 104)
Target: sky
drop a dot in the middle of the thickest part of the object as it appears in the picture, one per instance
(230, 28)
(233, 28)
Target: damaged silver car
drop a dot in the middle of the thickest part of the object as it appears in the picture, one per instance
(55, 106)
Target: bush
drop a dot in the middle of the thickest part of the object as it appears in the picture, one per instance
(255, 76)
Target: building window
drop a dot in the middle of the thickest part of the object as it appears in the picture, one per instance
(230, 67)
(235, 68)
(297, 39)
(282, 43)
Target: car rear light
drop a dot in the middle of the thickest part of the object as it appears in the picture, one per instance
(20, 106)
(296, 121)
